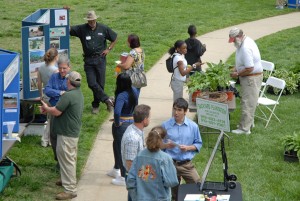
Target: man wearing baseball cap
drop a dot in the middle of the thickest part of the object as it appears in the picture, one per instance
(249, 70)
(67, 124)
(93, 37)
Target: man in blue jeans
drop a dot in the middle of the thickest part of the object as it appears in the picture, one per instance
(93, 37)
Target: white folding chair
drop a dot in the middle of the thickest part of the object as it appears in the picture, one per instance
(270, 103)
(268, 68)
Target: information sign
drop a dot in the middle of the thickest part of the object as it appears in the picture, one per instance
(213, 114)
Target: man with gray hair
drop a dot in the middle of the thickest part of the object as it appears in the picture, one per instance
(93, 37)
(249, 70)
(57, 86)
(66, 125)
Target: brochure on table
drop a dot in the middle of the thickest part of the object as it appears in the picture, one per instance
(9, 87)
(200, 197)
(41, 30)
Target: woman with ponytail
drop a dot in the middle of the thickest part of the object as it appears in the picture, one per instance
(126, 99)
(181, 68)
(43, 76)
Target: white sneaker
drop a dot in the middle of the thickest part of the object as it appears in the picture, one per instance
(119, 181)
(239, 131)
(44, 144)
(114, 173)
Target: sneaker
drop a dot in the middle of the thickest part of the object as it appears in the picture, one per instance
(44, 144)
(239, 131)
(119, 181)
(95, 110)
(109, 104)
(65, 196)
(114, 173)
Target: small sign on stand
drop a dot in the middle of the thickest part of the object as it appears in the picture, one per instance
(213, 114)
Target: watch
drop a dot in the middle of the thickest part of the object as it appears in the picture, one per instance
(109, 48)
(194, 66)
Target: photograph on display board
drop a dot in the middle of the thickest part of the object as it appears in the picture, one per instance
(36, 43)
(63, 53)
(55, 42)
(10, 100)
(61, 17)
(36, 31)
(36, 61)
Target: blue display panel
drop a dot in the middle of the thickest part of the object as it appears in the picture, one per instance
(41, 30)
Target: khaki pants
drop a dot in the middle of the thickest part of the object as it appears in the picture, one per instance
(280, 2)
(66, 150)
(250, 87)
(188, 172)
(177, 87)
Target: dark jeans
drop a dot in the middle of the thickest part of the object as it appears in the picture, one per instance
(128, 196)
(95, 68)
(53, 137)
(117, 135)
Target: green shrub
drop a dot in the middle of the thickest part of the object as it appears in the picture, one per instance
(291, 79)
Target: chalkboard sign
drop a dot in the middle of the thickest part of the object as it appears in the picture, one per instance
(213, 114)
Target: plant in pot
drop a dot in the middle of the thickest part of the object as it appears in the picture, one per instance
(218, 76)
(291, 145)
(215, 78)
(197, 82)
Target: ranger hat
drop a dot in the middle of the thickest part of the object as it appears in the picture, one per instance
(91, 15)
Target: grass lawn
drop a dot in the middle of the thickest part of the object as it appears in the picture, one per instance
(256, 159)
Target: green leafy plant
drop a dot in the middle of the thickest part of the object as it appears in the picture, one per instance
(218, 75)
(292, 80)
(215, 77)
(292, 143)
(198, 81)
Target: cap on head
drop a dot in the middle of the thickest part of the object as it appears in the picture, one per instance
(75, 78)
(91, 15)
(234, 32)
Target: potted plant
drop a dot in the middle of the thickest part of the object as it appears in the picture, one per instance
(215, 78)
(291, 145)
(218, 76)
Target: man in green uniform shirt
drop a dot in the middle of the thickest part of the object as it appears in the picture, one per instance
(67, 124)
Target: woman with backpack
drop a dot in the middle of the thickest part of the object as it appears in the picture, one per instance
(181, 68)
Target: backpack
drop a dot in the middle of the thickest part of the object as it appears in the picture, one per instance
(169, 64)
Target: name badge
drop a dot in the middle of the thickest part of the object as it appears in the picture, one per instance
(88, 38)
(100, 34)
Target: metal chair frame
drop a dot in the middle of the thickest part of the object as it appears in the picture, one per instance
(269, 103)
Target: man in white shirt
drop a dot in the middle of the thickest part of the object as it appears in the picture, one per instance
(249, 70)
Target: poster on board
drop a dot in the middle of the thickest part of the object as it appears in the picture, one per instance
(42, 30)
(213, 114)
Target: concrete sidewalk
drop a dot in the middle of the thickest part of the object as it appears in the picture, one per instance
(94, 185)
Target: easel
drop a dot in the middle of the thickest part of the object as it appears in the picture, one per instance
(228, 179)
(215, 115)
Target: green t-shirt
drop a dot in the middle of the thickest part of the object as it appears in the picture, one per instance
(69, 122)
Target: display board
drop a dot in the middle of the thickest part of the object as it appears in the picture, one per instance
(10, 101)
(42, 30)
(213, 114)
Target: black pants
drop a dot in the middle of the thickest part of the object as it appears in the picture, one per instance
(95, 68)
(117, 135)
